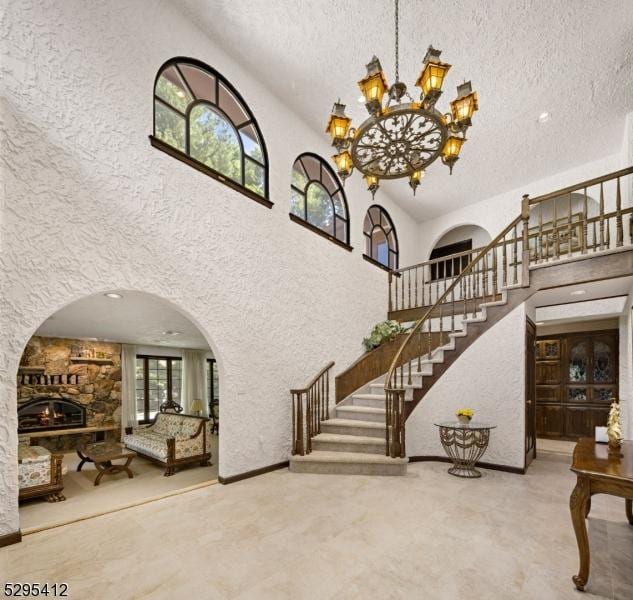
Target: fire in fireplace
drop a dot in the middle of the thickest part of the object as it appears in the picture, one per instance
(45, 414)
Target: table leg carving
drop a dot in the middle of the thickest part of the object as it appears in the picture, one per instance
(628, 503)
(578, 506)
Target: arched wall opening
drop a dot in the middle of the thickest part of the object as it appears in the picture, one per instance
(114, 372)
(460, 235)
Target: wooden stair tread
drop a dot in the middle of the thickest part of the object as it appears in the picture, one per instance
(347, 457)
(354, 423)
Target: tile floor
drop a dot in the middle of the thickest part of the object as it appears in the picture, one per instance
(424, 536)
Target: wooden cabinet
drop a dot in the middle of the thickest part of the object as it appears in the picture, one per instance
(576, 377)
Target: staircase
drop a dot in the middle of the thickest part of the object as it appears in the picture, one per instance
(365, 434)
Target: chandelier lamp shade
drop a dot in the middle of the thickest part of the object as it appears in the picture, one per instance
(402, 135)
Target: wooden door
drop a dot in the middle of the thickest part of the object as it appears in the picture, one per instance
(576, 377)
(530, 392)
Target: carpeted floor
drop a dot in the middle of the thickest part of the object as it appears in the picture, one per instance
(84, 499)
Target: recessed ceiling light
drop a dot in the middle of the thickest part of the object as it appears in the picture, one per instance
(93, 339)
(544, 117)
(169, 332)
(163, 342)
(540, 322)
(113, 296)
(578, 292)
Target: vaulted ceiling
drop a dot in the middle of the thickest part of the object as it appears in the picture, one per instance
(572, 59)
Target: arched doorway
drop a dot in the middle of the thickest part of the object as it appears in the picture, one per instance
(114, 376)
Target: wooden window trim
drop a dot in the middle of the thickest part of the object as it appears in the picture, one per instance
(373, 261)
(320, 232)
(146, 358)
(196, 164)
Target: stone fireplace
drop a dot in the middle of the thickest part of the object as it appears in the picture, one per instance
(49, 414)
(77, 381)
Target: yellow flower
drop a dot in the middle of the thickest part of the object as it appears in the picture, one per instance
(465, 412)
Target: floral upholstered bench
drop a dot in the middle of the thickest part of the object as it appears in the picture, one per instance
(171, 440)
(39, 473)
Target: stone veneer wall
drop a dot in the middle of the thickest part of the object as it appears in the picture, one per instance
(98, 388)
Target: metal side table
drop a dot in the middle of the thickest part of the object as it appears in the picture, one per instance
(465, 444)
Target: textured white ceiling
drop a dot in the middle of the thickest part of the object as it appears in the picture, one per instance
(620, 286)
(137, 318)
(571, 58)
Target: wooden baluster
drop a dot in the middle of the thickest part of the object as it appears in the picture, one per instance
(327, 394)
(618, 216)
(515, 256)
(494, 273)
(416, 288)
(453, 309)
(556, 236)
(387, 407)
(504, 263)
(607, 241)
(585, 216)
(539, 242)
(419, 349)
(294, 424)
(595, 239)
(601, 216)
(390, 285)
(485, 275)
(525, 244)
(300, 424)
(423, 269)
(462, 285)
(402, 292)
(569, 230)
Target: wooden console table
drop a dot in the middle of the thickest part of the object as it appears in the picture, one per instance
(597, 473)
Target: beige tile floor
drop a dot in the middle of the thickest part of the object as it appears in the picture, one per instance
(84, 499)
(424, 536)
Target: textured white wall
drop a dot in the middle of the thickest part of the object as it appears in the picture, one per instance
(488, 377)
(626, 368)
(89, 206)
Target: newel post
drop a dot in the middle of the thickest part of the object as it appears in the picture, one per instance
(525, 260)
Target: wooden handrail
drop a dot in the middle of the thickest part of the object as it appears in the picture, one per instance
(314, 379)
(582, 185)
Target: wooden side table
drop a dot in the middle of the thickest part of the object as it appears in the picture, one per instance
(465, 444)
(597, 472)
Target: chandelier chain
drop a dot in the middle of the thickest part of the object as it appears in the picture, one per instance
(397, 44)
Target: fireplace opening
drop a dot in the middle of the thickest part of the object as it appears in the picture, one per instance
(46, 414)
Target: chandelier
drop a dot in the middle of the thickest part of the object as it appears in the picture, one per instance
(402, 136)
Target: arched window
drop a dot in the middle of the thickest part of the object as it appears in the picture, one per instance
(201, 119)
(381, 238)
(317, 200)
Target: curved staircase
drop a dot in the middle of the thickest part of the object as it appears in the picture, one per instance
(374, 396)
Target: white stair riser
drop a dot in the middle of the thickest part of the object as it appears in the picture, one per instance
(379, 388)
(368, 448)
(352, 430)
(341, 413)
(336, 468)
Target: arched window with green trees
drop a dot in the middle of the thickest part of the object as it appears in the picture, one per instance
(317, 199)
(381, 239)
(202, 120)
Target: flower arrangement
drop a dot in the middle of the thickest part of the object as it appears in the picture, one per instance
(464, 415)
